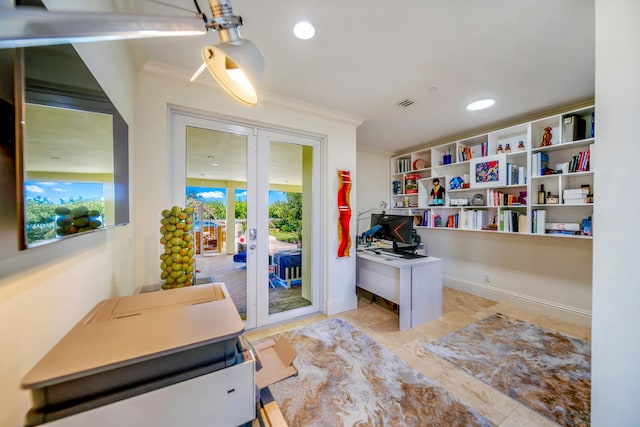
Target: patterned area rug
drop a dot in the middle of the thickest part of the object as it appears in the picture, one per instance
(546, 371)
(347, 379)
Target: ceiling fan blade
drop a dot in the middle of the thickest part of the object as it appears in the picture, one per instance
(28, 26)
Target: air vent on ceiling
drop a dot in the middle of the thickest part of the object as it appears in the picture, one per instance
(405, 103)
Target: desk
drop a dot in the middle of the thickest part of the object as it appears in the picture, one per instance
(414, 284)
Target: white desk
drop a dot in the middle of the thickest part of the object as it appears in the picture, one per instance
(414, 284)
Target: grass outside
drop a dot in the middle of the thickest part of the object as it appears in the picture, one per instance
(283, 236)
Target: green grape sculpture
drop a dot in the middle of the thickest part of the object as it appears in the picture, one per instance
(178, 261)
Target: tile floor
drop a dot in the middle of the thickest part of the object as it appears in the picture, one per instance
(459, 310)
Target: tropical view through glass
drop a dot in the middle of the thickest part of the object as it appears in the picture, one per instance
(285, 209)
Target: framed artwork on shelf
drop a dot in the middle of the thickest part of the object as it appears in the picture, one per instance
(489, 171)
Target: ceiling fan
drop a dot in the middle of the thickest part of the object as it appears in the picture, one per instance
(236, 63)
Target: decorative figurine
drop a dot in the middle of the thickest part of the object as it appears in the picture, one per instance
(546, 138)
(499, 150)
(507, 149)
(520, 146)
(437, 193)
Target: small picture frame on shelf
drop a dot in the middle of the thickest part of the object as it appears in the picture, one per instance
(489, 171)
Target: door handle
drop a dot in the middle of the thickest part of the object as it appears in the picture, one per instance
(253, 233)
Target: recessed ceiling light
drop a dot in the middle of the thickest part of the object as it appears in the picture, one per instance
(481, 104)
(304, 30)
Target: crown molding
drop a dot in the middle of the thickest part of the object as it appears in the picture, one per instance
(169, 71)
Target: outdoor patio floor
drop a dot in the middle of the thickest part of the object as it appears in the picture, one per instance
(220, 267)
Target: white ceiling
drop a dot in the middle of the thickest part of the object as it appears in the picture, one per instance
(367, 55)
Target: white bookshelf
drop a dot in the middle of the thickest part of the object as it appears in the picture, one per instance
(504, 197)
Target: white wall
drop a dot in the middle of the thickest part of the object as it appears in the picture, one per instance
(550, 275)
(45, 291)
(616, 277)
(372, 180)
(157, 88)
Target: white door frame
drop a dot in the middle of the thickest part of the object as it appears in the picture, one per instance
(258, 138)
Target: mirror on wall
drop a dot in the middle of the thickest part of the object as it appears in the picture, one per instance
(74, 150)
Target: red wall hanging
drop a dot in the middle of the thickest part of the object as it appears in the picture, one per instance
(344, 209)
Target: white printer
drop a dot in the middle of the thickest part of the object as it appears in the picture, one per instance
(169, 358)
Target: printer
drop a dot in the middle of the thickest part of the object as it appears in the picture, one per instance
(167, 358)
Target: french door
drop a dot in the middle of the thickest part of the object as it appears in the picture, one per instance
(256, 194)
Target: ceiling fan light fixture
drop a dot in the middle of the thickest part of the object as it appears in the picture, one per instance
(481, 104)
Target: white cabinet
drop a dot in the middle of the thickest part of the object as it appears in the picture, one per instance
(492, 180)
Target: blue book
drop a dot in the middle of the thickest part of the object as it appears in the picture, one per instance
(544, 162)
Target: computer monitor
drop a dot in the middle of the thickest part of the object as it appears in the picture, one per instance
(397, 228)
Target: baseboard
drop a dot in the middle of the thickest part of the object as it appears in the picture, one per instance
(339, 305)
(562, 312)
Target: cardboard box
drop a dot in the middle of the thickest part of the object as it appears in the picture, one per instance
(269, 412)
(276, 360)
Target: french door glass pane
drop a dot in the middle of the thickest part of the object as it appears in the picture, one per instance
(289, 278)
(216, 188)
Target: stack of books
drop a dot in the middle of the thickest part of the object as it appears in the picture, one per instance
(516, 175)
(569, 228)
(473, 219)
(575, 196)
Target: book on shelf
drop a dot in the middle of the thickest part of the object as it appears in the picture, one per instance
(580, 162)
(511, 174)
(516, 175)
(540, 163)
(511, 221)
(472, 219)
(563, 232)
(466, 153)
(436, 220)
(426, 219)
(522, 175)
(484, 149)
(403, 165)
(499, 198)
(582, 201)
(523, 222)
(562, 226)
(575, 196)
(452, 221)
(538, 221)
(586, 227)
(574, 192)
(544, 163)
